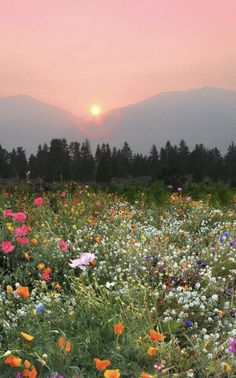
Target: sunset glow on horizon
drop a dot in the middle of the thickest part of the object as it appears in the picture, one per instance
(68, 52)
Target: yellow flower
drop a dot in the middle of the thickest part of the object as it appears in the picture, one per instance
(26, 336)
(9, 289)
(228, 368)
(41, 266)
(10, 227)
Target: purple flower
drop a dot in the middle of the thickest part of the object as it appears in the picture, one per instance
(83, 261)
(188, 323)
(232, 345)
(19, 375)
(233, 242)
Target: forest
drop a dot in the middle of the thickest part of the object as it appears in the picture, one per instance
(63, 161)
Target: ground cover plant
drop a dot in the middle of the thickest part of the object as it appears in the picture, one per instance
(95, 286)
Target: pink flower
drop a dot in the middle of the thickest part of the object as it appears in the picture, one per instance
(38, 201)
(63, 194)
(63, 245)
(46, 276)
(20, 216)
(7, 246)
(83, 261)
(7, 213)
(159, 366)
(23, 240)
(23, 230)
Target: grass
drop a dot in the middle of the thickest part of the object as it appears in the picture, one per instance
(166, 265)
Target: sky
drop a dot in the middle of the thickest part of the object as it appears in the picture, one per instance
(74, 53)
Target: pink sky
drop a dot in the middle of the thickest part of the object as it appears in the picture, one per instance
(73, 53)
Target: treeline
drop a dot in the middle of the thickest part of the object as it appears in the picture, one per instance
(75, 161)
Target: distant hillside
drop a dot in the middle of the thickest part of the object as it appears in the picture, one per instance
(206, 115)
(27, 122)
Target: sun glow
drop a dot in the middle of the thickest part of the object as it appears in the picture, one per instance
(95, 110)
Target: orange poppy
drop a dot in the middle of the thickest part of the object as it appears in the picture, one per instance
(61, 341)
(146, 375)
(26, 256)
(101, 364)
(34, 241)
(152, 351)
(93, 262)
(156, 336)
(112, 373)
(118, 329)
(13, 361)
(68, 347)
(29, 370)
(23, 292)
(57, 286)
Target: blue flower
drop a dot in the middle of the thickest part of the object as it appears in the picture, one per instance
(40, 308)
(188, 323)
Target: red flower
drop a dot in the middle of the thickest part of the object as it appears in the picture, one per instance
(20, 216)
(7, 246)
(38, 201)
(23, 240)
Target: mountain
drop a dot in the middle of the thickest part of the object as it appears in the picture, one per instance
(205, 115)
(27, 122)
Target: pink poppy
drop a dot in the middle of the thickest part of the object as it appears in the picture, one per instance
(23, 230)
(38, 201)
(20, 216)
(7, 246)
(63, 245)
(7, 213)
(23, 240)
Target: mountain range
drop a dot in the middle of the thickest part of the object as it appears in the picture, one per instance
(206, 115)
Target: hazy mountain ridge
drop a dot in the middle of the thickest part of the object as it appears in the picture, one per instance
(205, 115)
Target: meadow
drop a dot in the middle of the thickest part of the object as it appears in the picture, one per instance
(93, 285)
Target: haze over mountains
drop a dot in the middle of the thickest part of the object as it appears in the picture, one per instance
(205, 115)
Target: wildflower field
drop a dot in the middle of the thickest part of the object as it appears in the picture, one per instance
(94, 286)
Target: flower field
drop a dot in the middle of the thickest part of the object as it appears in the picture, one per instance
(94, 286)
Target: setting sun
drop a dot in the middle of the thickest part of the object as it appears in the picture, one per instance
(95, 110)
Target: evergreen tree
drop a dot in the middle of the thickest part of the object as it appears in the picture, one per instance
(104, 163)
(230, 164)
(43, 166)
(4, 163)
(59, 159)
(87, 162)
(18, 163)
(154, 163)
(198, 161)
(76, 160)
